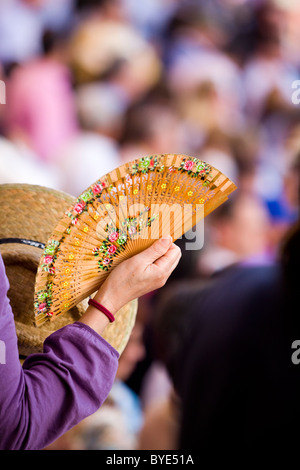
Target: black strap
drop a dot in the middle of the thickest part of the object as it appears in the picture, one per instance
(23, 241)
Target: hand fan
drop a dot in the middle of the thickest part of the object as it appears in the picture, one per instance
(118, 216)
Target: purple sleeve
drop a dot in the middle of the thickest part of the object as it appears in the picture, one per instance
(54, 390)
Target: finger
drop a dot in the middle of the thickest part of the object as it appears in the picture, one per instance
(170, 259)
(158, 249)
(170, 268)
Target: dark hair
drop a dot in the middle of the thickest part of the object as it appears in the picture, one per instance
(51, 39)
(48, 41)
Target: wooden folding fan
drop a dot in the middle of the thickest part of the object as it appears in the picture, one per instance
(118, 216)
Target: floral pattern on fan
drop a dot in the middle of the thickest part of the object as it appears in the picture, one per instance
(81, 204)
(132, 226)
(196, 168)
(49, 256)
(44, 300)
(144, 165)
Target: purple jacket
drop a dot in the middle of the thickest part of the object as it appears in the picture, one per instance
(54, 390)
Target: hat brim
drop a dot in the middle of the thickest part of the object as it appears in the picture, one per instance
(31, 212)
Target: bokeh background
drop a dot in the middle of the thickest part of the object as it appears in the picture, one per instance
(92, 84)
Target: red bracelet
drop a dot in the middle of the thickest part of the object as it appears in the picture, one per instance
(102, 309)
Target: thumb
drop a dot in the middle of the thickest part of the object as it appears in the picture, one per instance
(158, 249)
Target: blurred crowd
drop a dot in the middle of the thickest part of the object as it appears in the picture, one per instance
(92, 84)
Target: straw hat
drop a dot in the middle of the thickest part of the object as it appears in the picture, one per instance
(29, 213)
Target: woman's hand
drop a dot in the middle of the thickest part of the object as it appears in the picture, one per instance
(143, 273)
(140, 274)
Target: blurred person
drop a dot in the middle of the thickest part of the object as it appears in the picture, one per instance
(245, 148)
(41, 112)
(275, 157)
(240, 381)
(273, 164)
(20, 31)
(86, 158)
(220, 157)
(194, 64)
(22, 23)
(19, 165)
(268, 70)
(292, 185)
(77, 366)
(93, 151)
(292, 173)
(204, 108)
(169, 324)
(237, 232)
(101, 108)
(199, 25)
(236, 155)
(151, 128)
(104, 38)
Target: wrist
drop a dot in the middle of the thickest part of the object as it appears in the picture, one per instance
(101, 308)
(96, 319)
(104, 298)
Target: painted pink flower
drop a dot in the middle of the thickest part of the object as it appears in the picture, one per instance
(42, 306)
(97, 188)
(188, 165)
(79, 207)
(106, 261)
(48, 259)
(113, 236)
(49, 314)
(112, 249)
